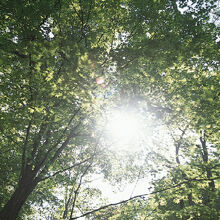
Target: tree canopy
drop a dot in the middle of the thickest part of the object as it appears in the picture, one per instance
(65, 64)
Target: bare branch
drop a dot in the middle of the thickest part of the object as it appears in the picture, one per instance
(140, 196)
(60, 171)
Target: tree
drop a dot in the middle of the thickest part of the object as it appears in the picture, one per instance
(52, 53)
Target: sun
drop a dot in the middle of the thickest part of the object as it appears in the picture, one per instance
(123, 125)
(124, 129)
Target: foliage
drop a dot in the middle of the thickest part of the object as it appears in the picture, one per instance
(160, 56)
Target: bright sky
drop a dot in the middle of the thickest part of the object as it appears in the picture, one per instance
(131, 132)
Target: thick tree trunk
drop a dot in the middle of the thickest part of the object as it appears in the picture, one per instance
(25, 186)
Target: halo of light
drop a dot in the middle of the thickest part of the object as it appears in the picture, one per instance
(123, 125)
(124, 130)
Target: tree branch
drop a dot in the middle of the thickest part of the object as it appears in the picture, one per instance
(65, 143)
(60, 171)
(24, 56)
(78, 188)
(140, 196)
(38, 138)
(24, 148)
(57, 143)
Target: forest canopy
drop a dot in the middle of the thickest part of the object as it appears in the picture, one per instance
(126, 91)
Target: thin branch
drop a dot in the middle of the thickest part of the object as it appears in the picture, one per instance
(89, 13)
(59, 150)
(24, 56)
(100, 38)
(60, 171)
(58, 141)
(140, 196)
(179, 143)
(128, 63)
(30, 78)
(134, 188)
(76, 192)
(38, 138)
(66, 142)
(78, 15)
(92, 157)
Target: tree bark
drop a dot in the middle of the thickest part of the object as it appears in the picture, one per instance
(12, 208)
(205, 157)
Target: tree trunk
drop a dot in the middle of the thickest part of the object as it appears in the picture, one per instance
(205, 158)
(12, 208)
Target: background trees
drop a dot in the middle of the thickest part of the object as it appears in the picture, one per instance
(161, 57)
